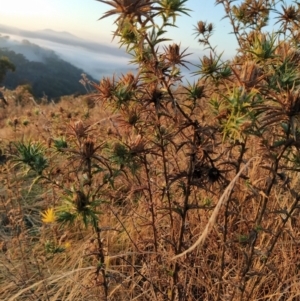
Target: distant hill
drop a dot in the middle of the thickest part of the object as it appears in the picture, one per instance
(51, 32)
(94, 57)
(50, 75)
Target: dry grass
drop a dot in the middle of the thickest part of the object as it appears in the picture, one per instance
(139, 230)
(138, 174)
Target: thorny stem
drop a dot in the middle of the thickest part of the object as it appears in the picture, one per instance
(219, 290)
(101, 266)
(128, 234)
(185, 208)
(276, 237)
(225, 232)
(167, 188)
(259, 219)
(156, 288)
(151, 204)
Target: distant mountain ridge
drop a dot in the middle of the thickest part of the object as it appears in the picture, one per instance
(95, 58)
(63, 37)
(37, 33)
(62, 33)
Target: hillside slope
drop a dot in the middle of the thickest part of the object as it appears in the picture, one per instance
(51, 76)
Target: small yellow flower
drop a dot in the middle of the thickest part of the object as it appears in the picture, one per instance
(67, 245)
(48, 216)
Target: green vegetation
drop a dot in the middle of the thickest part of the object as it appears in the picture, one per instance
(144, 191)
(5, 65)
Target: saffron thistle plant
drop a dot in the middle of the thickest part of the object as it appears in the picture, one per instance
(143, 177)
(31, 155)
(240, 93)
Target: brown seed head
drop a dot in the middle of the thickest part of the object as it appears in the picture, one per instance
(88, 148)
(80, 200)
(15, 121)
(105, 88)
(201, 27)
(128, 8)
(210, 27)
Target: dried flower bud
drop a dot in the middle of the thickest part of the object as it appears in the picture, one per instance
(105, 88)
(201, 27)
(172, 54)
(15, 121)
(210, 27)
(127, 79)
(88, 148)
(80, 200)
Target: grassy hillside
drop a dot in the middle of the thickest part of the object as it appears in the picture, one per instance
(140, 191)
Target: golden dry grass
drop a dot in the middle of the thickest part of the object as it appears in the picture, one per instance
(139, 229)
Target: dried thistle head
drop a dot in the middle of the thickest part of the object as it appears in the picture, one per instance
(249, 75)
(128, 119)
(128, 80)
(286, 52)
(154, 95)
(210, 65)
(289, 16)
(137, 144)
(105, 88)
(16, 121)
(210, 27)
(251, 12)
(80, 200)
(78, 129)
(88, 148)
(201, 27)
(133, 117)
(173, 55)
(128, 8)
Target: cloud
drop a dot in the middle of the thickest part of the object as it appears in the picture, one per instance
(96, 59)
(63, 38)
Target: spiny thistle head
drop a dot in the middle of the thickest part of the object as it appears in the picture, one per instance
(249, 74)
(80, 200)
(128, 8)
(174, 56)
(202, 27)
(105, 88)
(88, 148)
(128, 80)
(289, 16)
(78, 129)
(172, 8)
(137, 144)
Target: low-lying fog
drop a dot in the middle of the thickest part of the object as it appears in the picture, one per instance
(96, 59)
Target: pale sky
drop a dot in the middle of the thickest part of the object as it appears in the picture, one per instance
(81, 19)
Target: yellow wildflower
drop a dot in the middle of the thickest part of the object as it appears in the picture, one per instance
(48, 216)
(67, 245)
